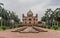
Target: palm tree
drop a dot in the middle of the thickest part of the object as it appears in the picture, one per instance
(1, 4)
(49, 16)
(57, 15)
(7, 16)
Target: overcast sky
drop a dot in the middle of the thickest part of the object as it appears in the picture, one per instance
(23, 6)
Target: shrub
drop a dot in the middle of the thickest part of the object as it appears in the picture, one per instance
(55, 28)
(4, 28)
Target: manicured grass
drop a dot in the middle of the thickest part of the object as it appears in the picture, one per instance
(1, 28)
(59, 28)
(54, 27)
(4, 28)
(7, 27)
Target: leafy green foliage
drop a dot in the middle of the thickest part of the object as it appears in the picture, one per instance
(51, 16)
(7, 16)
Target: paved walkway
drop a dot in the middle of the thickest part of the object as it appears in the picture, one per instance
(49, 34)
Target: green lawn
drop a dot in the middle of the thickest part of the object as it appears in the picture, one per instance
(9, 27)
(4, 28)
(1, 28)
(52, 27)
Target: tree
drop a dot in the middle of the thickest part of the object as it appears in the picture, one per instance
(7, 16)
(51, 17)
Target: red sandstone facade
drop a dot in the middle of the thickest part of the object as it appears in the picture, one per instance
(30, 19)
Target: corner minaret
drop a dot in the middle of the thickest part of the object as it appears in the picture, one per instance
(22, 15)
(36, 15)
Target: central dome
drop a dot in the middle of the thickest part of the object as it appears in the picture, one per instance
(29, 13)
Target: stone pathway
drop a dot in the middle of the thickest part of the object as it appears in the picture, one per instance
(49, 34)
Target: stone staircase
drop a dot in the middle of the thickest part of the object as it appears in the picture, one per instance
(19, 29)
(29, 29)
(39, 29)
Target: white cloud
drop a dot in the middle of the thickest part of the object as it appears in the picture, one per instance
(22, 6)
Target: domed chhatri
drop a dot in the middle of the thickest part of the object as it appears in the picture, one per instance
(29, 13)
